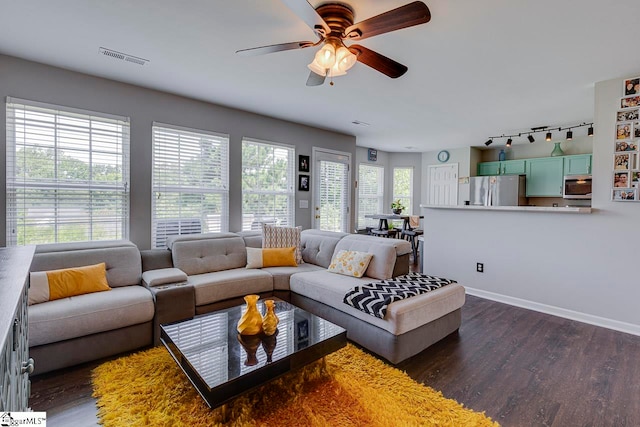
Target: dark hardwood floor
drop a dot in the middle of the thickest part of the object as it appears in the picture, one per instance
(520, 367)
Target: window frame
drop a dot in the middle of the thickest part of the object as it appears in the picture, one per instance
(407, 200)
(60, 135)
(186, 224)
(380, 197)
(290, 194)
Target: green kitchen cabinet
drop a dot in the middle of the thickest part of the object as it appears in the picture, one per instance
(579, 164)
(506, 167)
(489, 168)
(544, 177)
(514, 167)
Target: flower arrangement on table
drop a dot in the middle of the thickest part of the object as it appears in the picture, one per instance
(397, 206)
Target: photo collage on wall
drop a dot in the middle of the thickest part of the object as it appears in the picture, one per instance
(626, 161)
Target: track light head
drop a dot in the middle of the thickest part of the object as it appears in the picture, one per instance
(509, 141)
(489, 142)
(590, 131)
(548, 138)
(569, 135)
(531, 138)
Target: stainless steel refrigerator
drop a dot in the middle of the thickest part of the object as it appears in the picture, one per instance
(504, 190)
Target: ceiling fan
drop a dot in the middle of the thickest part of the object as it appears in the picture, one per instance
(333, 24)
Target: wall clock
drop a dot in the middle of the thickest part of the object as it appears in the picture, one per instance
(443, 156)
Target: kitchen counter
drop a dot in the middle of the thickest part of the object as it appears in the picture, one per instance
(575, 210)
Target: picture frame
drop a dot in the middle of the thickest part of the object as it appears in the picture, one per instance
(627, 115)
(630, 101)
(623, 131)
(621, 180)
(635, 176)
(372, 155)
(625, 194)
(303, 163)
(636, 129)
(303, 182)
(621, 162)
(302, 330)
(622, 146)
(631, 86)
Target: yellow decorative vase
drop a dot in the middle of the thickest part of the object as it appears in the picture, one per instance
(251, 321)
(270, 319)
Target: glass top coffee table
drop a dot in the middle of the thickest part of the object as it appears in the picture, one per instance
(221, 364)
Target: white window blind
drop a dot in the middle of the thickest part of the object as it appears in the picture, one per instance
(333, 193)
(268, 179)
(67, 174)
(403, 187)
(370, 194)
(190, 182)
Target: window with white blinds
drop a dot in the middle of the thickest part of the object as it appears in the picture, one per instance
(403, 187)
(67, 174)
(190, 182)
(268, 180)
(333, 195)
(370, 194)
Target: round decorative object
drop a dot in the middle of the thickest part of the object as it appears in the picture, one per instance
(443, 156)
(397, 211)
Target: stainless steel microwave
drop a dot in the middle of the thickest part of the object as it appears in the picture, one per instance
(576, 187)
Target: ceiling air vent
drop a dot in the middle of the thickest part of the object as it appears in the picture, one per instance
(122, 56)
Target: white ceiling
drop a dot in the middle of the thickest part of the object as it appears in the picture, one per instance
(478, 69)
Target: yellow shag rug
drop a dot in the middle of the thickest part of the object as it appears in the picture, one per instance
(351, 388)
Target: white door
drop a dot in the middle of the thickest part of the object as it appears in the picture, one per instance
(443, 184)
(331, 190)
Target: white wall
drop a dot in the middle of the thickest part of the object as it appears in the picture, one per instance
(38, 82)
(577, 266)
(461, 156)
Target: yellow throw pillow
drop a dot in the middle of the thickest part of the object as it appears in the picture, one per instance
(350, 263)
(67, 282)
(271, 257)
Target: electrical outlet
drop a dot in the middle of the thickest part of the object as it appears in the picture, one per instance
(480, 267)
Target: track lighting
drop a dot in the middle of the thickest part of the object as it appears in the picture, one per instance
(541, 129)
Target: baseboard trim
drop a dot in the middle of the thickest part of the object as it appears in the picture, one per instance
(616, 325)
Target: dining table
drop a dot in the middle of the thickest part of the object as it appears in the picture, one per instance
(383, 220)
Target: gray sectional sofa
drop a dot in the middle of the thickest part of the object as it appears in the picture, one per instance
(206, 272)
(78, 329)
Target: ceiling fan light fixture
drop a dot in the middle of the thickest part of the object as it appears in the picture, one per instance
(317, 69)
(326, 56)
(345, 59)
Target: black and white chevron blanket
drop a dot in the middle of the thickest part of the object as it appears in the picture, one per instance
(373, 298)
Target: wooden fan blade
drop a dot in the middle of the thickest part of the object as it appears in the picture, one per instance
(315, 79)
(274, 48)
(308, 14)
(411, 14)
(378, 62)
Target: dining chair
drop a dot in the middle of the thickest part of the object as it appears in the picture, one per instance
(411, 234)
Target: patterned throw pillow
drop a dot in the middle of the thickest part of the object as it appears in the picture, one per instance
(350, 263)
(282, 237)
